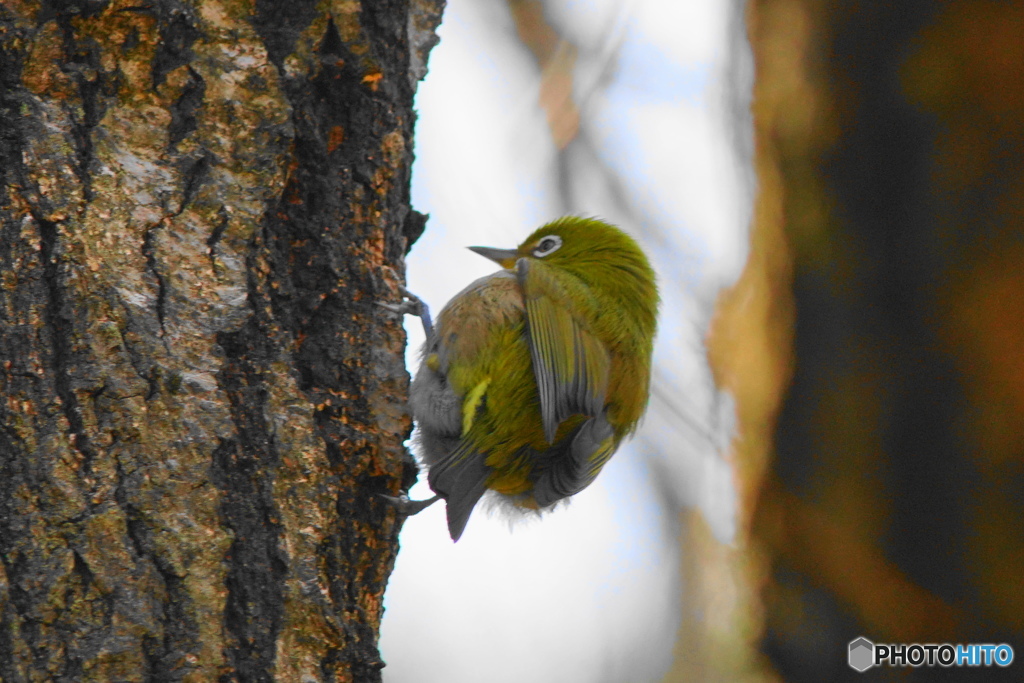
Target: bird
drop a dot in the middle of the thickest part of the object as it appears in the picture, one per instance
(533, 375)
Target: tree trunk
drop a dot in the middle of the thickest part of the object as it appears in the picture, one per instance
(891, 178)
(201, 204)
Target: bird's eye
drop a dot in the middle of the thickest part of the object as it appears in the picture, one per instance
(547, 245)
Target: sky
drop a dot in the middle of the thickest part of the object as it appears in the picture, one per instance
(590, 592)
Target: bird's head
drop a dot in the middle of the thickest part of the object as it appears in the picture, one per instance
(601, 255)
(573, 243)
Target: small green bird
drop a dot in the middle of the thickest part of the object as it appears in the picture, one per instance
(534, 374)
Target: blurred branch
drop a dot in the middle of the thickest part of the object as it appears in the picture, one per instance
(556, 57)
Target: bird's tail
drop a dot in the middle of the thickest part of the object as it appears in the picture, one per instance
(460, 479)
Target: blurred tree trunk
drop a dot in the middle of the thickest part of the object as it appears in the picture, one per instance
(200, 204)
(890, 148)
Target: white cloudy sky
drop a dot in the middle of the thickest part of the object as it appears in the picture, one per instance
(590, 592)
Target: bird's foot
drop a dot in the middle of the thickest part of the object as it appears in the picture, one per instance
(411, 305)
(409, 507)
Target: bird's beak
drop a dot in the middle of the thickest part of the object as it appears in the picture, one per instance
(506, 258)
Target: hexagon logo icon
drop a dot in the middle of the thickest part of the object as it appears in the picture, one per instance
(862, 654)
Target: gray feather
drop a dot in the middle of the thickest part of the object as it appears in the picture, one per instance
(574, 468)
(436, 407)
(460, 479)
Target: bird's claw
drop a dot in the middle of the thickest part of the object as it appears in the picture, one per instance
(409, 507)
(407, 307)
(411, 305)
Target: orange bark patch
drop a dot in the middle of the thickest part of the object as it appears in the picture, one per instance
(335, 138)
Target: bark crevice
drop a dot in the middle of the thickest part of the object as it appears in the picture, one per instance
(245, 469)
(153, 265)
(60, 324)
(184, 112)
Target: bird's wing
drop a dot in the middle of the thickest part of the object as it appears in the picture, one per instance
(571, 364)
(585, 454)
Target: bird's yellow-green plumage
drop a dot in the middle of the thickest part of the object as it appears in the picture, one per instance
(533, 375)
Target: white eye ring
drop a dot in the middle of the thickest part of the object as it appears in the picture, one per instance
(547, 245)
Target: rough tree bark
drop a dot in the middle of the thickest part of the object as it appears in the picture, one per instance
(200, 204)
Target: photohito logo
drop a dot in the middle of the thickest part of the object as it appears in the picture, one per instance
(863, 654)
